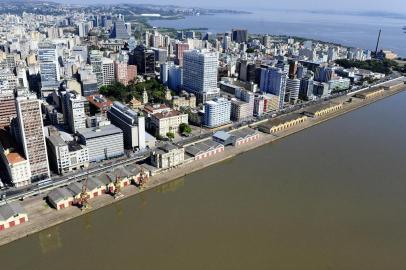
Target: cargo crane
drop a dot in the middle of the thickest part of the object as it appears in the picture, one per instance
(143, 177)
(117, 189)
(83, 201)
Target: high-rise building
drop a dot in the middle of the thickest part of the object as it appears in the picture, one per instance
(180, 49)
(108, 71)
(30, 129)
(306, 88)
(292, 90)
(324, 74)
(131, 123)
(240, 35)
(80, 52)
(119, 30)
(161, 55)
(74, 111)
(95, 58)
(175, 78)
(84, 29)
(217, 112)
(200, 74)
(144, 59)
(273, 81)
(164, 72)
(120, 70)
(8, 84)
(49, 67)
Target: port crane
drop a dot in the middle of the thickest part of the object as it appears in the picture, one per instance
(143, 177)
(83, 201)
(117, 189)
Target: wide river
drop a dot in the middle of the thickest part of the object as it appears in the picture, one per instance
(330, 197)
(351, 30)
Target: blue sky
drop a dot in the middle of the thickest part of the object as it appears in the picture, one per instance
(358, 5)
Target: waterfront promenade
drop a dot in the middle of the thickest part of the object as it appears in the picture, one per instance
(41, 216)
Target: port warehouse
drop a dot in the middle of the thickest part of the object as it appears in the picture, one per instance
(282, 123)
(380, 90)
(323, 109)
(12, 214)
(218, 142)
(371, 93)
(64, 197)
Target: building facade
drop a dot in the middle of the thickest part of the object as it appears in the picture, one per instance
(68, 156)
(200, 72)
(131, 123)
(217, 112)
(102, 142)
(31, 135)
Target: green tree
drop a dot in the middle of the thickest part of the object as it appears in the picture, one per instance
(170, 135)
(185, 128)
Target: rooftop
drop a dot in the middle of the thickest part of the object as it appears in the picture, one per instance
(322, 106)
(167, 114)
(14, 158)
(281, 120)
(11, 209)
(91, 133)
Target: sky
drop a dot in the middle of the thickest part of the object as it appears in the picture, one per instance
(398, 6)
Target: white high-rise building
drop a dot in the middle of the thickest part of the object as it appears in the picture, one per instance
(49, 67)
(74, 111)
(31, 135)
(84, 28)
(217, 112)
(108, 71)
(200, 73)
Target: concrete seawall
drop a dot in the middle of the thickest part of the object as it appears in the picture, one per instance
(42, 216)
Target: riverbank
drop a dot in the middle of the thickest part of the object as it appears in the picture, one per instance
(41, 216)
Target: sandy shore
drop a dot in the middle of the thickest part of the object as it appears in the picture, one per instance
(41, 216)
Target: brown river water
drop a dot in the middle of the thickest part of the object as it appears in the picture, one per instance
(330, 197)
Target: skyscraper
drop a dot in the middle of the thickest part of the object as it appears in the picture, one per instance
(119, 30)
(74, 110)
(95, 58)
(84, 29)
(200, 74)
(8, 84)
(240, 35)
(31, 135)
(180, 49)
(144, 59)
(108, 71)
(292, 90)
(49, 67)
(273, 81)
